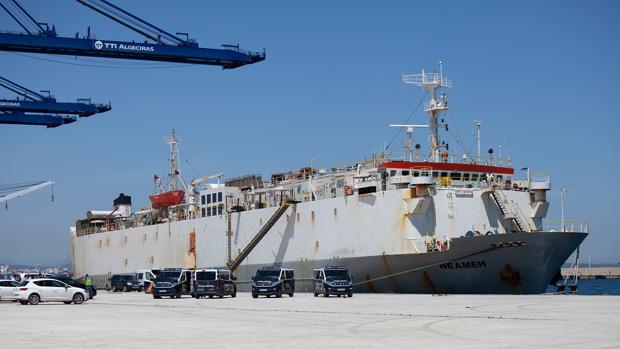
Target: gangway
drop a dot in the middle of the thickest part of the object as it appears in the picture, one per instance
(507, 210)
(163, 46)
(234, 264)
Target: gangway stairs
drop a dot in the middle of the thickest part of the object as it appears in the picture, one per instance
(234, 264)
(507, 210)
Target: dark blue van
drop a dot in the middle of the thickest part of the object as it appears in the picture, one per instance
(214, 282)
(332, 280)
(273, 281)
(172, 282)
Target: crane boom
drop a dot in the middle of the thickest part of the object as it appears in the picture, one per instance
(37, 109)
(166, 47)
(50, 121)
(25, 191)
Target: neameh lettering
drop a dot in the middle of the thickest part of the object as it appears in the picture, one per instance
(464, 265)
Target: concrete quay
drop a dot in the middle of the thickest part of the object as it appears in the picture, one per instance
(136, 320)
(592, 273)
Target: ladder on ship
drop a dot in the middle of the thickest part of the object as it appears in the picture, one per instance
(232, 265)
(507, 209)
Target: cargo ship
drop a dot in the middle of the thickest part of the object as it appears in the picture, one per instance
(425, 222)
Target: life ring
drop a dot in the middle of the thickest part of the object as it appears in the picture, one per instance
(348, 190)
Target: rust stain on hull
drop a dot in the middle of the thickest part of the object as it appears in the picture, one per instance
(371, 287)
(428, 283)
(511, 276)
(388, 271)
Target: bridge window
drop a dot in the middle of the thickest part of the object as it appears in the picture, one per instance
(392, 173)
(474, 177)
(466, 176)
(405, 173)
(455, 176)
(499, 178)
(416, 174)
(444, 174)
(435, 174)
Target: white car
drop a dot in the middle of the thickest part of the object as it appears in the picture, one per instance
(48, 290)
(29, 276)
(7, 289)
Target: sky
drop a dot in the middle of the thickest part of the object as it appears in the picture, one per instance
(542, 77)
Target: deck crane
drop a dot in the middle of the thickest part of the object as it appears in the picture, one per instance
(33, 108)
(16, 191)
(159, 45)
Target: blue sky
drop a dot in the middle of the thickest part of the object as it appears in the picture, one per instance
(541, 75)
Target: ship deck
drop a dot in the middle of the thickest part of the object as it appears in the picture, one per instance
(364, 321)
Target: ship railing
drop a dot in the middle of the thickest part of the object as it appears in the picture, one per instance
(453, 158)
(427, 79)
(435, 105)
(541, 177)
(554, 225)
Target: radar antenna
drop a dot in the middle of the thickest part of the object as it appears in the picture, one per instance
(409, 130)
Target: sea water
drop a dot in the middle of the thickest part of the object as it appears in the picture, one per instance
(590, 287)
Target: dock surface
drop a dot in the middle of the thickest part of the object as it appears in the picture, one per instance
(136, 320)
(592, 273)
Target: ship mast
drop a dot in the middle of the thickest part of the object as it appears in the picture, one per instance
(174, 176)
(432, 82)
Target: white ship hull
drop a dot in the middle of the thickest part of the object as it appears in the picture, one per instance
(376, 234)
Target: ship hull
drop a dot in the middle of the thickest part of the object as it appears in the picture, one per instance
(382, 237)
(517, 263)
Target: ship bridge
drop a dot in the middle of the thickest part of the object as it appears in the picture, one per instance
(446, 173)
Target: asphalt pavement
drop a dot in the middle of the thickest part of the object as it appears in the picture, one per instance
(136, 320)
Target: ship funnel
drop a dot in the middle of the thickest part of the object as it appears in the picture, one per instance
(122, 204)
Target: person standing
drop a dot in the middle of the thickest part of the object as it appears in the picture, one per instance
(88, 281)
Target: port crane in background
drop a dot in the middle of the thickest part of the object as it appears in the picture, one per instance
(159, 45)
(18, 190)
(33, 108)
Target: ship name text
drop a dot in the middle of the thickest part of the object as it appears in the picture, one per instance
(464, 265)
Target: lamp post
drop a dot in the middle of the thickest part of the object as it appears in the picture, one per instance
(562, 191)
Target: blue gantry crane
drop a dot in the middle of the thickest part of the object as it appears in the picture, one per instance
(33, 108)
(159, 45)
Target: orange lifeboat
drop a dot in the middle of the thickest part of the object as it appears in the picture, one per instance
(169, 198)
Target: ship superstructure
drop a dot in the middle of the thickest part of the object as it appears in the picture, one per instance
(433, 222)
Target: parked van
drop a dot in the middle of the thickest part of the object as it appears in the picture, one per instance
(172, 282)
(332, 280)
(270, 281)
(144, 276)
(213, 282)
